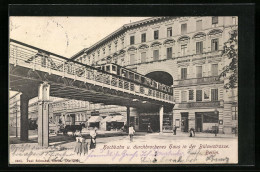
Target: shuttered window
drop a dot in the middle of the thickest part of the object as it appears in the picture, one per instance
(156, 54)
(183, 49)
(132, 59)
(206, 94)
(183, 73)
(199, 71)
(169, 31)
(156, 34)
(199, 47)
(143, 37)
(214, 94)
(169, 52)
(184, 28)
(214, 70)
(184, 96)
(199, 25)
(214, 20)
(132, 40)
(214, 44)
(143, 57)
(191, 94)
(198, 95)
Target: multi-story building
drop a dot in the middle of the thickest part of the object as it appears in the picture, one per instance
(184, 52)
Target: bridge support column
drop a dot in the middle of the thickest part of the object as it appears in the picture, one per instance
(161, 118)
(128, 118)
(24, 101)
(43, 115)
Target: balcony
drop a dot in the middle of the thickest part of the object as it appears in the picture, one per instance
(199, 104)
(196, 81)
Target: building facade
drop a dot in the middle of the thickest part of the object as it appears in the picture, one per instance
(184, 52)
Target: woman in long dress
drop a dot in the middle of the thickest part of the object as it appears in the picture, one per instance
(78, 146)
(84, 146)
(93, 135)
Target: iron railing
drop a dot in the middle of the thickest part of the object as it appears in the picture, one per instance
(31, 57)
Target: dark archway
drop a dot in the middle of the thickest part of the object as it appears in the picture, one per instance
(162, 77)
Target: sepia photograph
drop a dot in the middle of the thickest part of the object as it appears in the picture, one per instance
(123, 90)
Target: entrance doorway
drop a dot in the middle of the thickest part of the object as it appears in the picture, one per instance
(198, 122)
(152, 120)
(184, 122)
(72, 119)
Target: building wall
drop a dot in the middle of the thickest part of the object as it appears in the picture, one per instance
(174, 64)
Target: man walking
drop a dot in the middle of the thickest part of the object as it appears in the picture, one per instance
(174, 130)
(131, 133)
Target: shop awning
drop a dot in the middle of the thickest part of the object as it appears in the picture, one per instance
(95, 119)
(107, 119)
(117, 118)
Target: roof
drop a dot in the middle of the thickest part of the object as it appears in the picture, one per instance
(122, 29)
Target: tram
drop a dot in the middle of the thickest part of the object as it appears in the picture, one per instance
(134, 76)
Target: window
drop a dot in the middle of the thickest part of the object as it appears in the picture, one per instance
(199, 47)
(183, 28)
(169, 52)
(198, 95)
(210, 117)
(234, 20)
(156, 34)
(234, 112)
(143, 37)
(132, 40)
(199, 71)
(132, 59)
(214, 44)
(199, 25)
(214, 20)
(191, 94)
(183, 96)
(155, 54)
(169, 31)
(214, 69)
(214, 94)
(183, 49)
(183, 73)
(206, 94)
(143, 57)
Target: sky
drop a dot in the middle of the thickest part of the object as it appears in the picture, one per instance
(64, 36)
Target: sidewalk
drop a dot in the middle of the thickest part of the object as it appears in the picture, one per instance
(198, 134)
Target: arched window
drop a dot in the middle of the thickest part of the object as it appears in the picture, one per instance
(199, 35)
(155, 44)
(215, 32)
(169, 41)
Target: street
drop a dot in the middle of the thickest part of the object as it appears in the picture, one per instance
(145, 148)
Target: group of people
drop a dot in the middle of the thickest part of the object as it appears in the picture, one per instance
(81, 146)
(192, 131)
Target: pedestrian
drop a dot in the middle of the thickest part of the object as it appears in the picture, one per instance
(84, 146)
(131, 133)
(78, 145)
(174, 130)
(192, 132)
(93, 135)
(149, 129)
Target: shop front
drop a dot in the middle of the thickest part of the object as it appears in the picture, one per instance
(206, 121)
(116, 123)
(94, 122)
